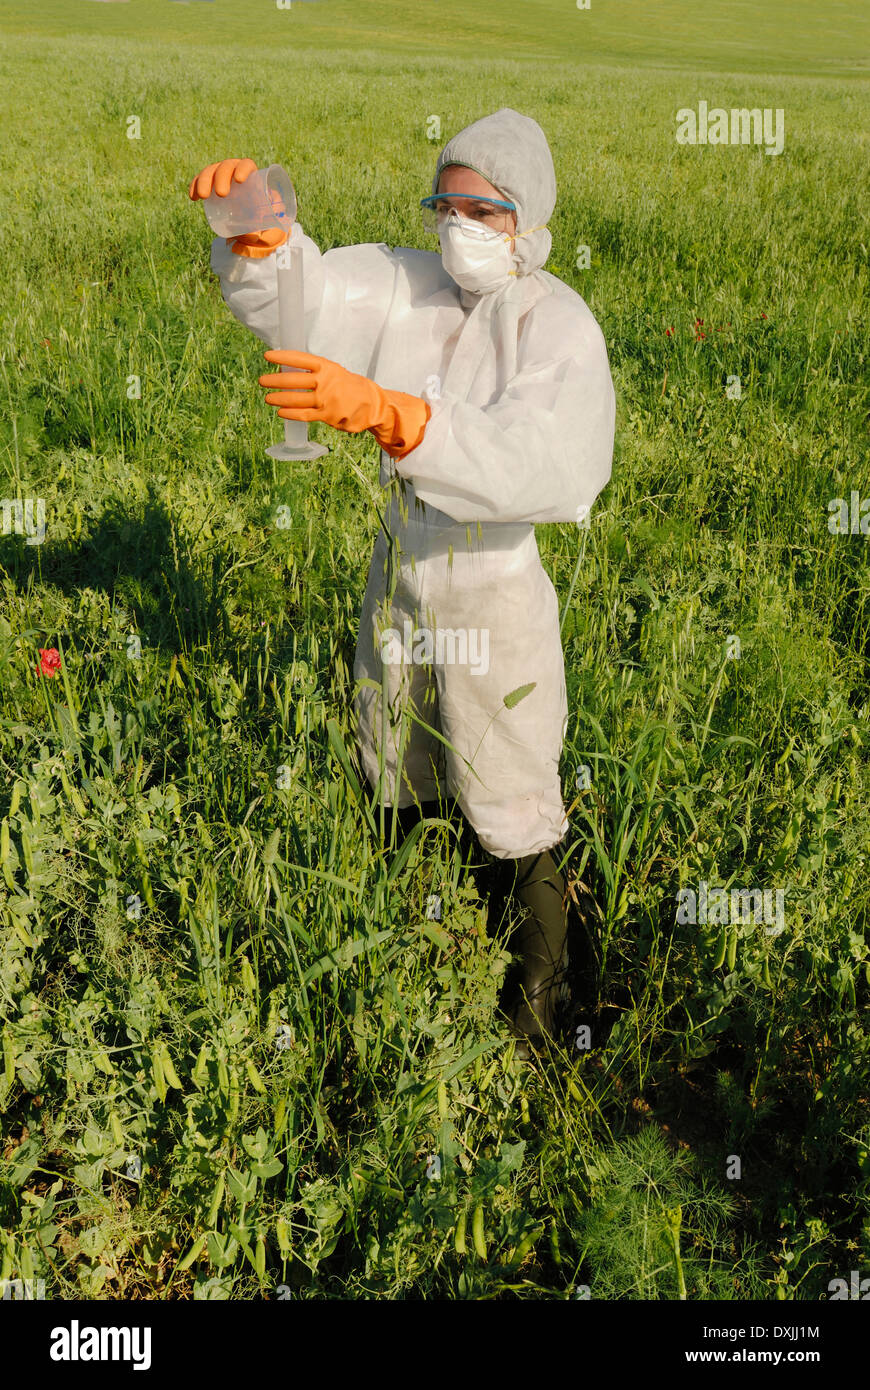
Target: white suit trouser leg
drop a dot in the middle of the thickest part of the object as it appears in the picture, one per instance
(501, 765)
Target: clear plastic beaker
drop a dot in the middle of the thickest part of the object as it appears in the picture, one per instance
(266, 198)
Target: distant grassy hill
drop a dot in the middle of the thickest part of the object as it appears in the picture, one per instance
(778, 36)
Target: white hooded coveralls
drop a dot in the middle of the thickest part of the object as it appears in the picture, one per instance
(521, 431)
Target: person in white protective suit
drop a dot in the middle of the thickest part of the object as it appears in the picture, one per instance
(487, 383)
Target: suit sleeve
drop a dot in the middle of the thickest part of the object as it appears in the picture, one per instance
(543, 449)
(348, 292)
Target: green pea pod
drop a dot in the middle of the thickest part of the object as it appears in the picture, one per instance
(526, 1244)
(720, 948)
(477, 1233)
(193, 1252)
(200, 1070)
(280, 1117)
(254, 1077)
(169, 1071)
(283, 1235)
(157, 1073)
(459, 1238)
(234, 1093)
(732, 948)
(223, 1074)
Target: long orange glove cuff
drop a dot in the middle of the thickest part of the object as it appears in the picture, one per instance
(328, 392)
(406, 418)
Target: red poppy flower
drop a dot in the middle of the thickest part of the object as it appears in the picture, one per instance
(669, 332)
(49, 661)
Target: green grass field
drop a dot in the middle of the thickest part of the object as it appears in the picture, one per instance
(232, 1041)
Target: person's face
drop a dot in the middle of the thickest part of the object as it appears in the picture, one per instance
(457, 179)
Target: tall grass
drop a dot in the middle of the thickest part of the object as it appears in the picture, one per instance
(235, 1044)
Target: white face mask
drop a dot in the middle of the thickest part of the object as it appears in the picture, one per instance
(476, 257)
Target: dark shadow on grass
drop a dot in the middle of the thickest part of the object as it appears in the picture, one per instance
(142, 563)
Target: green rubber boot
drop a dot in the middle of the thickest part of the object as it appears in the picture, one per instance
(541, 941)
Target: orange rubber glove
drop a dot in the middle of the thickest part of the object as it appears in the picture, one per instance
(216, 178)
(328, 392)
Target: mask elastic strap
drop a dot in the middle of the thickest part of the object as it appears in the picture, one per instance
(541, 228)
(517, 235)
